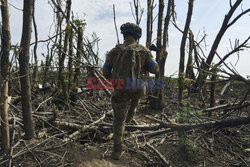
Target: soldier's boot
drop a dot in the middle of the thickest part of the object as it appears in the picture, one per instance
(117, 152)
(132, 110)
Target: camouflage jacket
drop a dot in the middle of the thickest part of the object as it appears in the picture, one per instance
(113, 64)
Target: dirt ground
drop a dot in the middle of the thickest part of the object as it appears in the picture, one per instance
(201, 147)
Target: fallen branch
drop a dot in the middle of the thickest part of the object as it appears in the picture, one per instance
(68, 125)
(43, 103)
(22, 152)
(136, 127)
(85, 127)
(230, 106)
(154, 133)
(165, 162)
(208, 125)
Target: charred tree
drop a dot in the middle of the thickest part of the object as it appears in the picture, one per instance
(157, 101)
(35, 72)
(189, 69)
(63, 55)
(150, 4)
(78, 56)
(159, 29)
(224, 27)
(47, 64)
(212, 90)
(70, 62)
(150, 7)
(24, 69)
(182, 50)
(5, 50)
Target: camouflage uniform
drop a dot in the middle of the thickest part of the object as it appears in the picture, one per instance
(122, 99)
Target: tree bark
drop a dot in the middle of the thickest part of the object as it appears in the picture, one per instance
(4, 75)
(182, 50)
(78, 55)
(159, 32)
(159, 29)
(166, 25)
(63, 55)
(165, 41)
(149, 23)
(24, 69)
(212, 90)
(162, 40)
(156, 101)
(189, 70)
(164, 54)
(35, 72)
(70, 62)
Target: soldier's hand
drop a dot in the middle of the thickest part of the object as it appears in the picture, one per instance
(154, 48)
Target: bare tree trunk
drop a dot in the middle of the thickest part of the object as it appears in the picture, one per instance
(63, 55)
(59, 19)
(159, 30)
(78, 55)
(156, 100)
(4, 75)
(35, 72)
(24, 69)
(212, 90)
(166, 25)
(162, 56)
(77, 62)
(189, 70)
(16, 54)
(70, 63)
(182, 50)
(149, 23)
(48, 62)
(150, 4)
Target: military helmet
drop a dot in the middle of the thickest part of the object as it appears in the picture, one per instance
(131, 28)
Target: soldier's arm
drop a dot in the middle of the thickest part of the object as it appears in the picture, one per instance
(150, 64)
(107, 67)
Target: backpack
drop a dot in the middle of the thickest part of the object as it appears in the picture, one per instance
(127, 65)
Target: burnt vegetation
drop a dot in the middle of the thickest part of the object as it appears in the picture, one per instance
(50, 118)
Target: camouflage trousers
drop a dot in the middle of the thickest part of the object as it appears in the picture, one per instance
(124, 105)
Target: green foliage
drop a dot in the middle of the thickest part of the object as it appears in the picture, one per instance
(79, 22)
(186, 116)
(170, 80)
(183, 81)
(238, 83)
(188, 142)
(246, 139)
(188, 82)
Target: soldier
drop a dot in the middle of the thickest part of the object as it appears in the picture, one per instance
(126, 62)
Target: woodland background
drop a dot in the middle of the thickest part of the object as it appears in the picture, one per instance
(48, 116)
